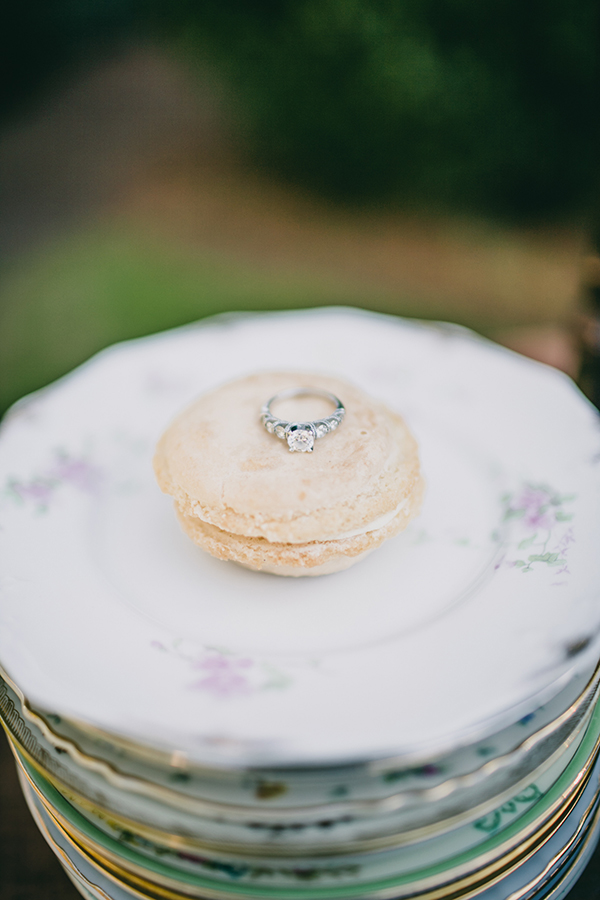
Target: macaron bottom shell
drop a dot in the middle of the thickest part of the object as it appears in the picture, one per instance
(291, 559)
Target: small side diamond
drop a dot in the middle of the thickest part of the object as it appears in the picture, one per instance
(333, 424)
(270, 426)
(321, 428)
(280, 431)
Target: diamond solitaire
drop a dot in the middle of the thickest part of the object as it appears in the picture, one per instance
(300, 438)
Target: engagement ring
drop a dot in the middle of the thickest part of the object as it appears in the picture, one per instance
(301, 436)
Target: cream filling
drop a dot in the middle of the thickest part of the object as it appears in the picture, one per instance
(376, 524)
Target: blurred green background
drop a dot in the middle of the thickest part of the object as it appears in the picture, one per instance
(163, 162)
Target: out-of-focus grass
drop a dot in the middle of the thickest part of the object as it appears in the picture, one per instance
(110, 283)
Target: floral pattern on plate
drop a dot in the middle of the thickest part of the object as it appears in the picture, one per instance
(541, 518)
(224, 674)
(40, 490)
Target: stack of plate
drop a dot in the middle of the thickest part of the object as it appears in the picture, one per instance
(423, 725)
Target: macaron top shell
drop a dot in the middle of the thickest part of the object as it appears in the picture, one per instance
(220, 464)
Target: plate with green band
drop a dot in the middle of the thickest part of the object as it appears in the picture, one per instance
(563, 805)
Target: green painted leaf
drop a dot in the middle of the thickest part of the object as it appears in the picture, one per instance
(520, 562)
(529, 794)
(527, 542)
(276, 679)
(563, 517)
(489, 823)
(514, 514)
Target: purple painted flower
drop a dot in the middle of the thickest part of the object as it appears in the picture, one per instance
(76, 471)
(540, 514)
(537, 507)
(40, 490)
(223, 676)
(223, 673)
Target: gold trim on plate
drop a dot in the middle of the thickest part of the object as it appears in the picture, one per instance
(176, 799)
(347, 848)
(463, 887)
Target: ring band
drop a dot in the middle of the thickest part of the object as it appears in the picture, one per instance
(301, 436)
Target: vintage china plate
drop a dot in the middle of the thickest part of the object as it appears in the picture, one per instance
(560, 887)
(331, 829)
(558, 844)
(557, 890)
(481, 611)
(94, 883)
(279, 796)
(350, 867)
(131, 767)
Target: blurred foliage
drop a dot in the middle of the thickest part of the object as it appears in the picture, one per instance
(111, 283)
(486, 107)
(43, 40)
(450, 104)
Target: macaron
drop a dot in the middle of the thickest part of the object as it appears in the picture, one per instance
(243, 496)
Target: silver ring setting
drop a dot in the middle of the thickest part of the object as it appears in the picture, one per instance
(301, 436)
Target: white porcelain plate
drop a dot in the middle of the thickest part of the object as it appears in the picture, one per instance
(484, 607)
